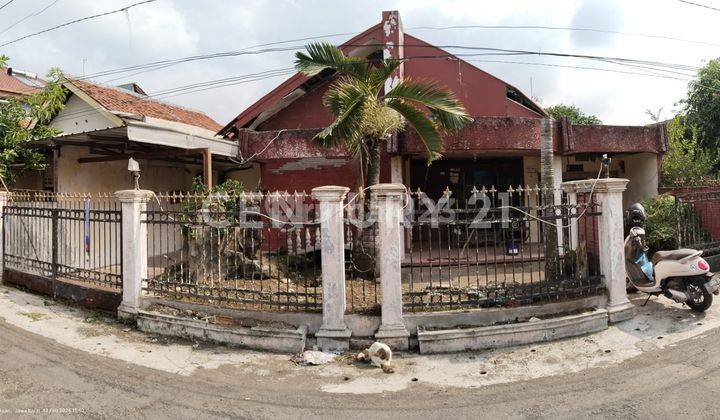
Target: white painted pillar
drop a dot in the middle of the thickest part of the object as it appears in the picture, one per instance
(134, 248)
(4, 199)
(389, 199)
(609, 193)
(334, 333)
(572, 201)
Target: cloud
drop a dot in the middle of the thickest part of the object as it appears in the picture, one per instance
(169, 29)
(597, 14)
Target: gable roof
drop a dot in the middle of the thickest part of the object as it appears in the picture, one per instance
(297, 81)
(123, 101)
(299, 84)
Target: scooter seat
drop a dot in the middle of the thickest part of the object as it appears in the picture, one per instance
(672, 255)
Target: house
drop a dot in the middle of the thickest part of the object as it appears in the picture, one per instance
(500, 148)
(16, 83)
(103, 126)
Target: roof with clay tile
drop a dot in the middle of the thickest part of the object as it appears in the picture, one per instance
(121, 100)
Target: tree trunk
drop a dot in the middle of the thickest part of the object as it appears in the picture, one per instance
(547, 181)
(373, 173)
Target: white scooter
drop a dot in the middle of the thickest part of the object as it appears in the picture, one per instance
(682, 274)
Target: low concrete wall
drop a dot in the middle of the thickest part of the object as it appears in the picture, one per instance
(363, 326)
(259, 338)
(84, 295)
(462, 339)
(489, 316)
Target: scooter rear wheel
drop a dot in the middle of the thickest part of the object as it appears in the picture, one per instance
(703, 298)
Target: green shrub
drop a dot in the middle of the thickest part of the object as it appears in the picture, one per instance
(661, 224)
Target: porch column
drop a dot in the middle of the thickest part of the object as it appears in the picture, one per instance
(334, 333)
(609, 193)
(134, 249)
(389, 199)
(4, 199)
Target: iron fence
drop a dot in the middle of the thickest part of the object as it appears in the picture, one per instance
(493, 248)
(68, 237)
(362, 288)
(247, 251)
(697, 217)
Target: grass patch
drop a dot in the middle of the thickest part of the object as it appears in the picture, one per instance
(34, 316)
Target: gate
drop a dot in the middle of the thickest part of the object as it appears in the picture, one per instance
(62, 244)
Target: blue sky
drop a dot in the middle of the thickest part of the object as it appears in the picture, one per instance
(170, 29)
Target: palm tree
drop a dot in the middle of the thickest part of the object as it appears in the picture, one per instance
(366, 115)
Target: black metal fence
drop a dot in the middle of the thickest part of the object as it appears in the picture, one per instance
(362, 286)
(499, 248)
(247, 251)
(68, 237)
(697, 218)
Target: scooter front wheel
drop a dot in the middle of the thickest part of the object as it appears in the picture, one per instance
(699, 297)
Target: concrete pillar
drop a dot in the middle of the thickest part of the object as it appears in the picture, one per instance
(609, 193)
(334, 333)
(134, 248)
(389, 199)
(396, 169)
(393, 40)
(572, 201)
(4, 199)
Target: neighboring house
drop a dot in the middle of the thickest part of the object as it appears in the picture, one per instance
(103, 126)
(16, 83)
(501, 147)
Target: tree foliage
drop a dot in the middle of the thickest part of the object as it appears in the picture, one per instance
(702, 106)
(686, 161)
(574, 113)
(366, 115)
(26, 119)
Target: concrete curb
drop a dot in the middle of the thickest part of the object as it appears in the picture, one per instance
(259, 338)
(478, 338)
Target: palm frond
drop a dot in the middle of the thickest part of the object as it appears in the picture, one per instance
(382, 71)
(423, 125)
(345, 99)
(442, 103)
(323, 55)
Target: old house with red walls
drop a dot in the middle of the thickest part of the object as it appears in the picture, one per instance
(501, 147)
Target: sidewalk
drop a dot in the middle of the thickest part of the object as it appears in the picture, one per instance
(657, 325)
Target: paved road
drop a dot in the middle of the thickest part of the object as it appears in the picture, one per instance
(39, 374)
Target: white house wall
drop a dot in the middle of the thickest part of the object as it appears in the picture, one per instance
(79, 117)
(113, 176)
(642, 171)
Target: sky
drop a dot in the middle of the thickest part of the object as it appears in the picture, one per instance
(170, 29)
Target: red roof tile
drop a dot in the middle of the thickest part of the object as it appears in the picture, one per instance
(116, 99)
(11, 86)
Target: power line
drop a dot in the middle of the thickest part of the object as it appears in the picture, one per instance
(152, 66)
(699, 5)
(237, 80)
(564, 28)
(500, 51)
(72, 22)
(6, 4)
(39, 12)
(530, 63)
(171, 62)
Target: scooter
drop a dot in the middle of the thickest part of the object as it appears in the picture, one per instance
(681, 275)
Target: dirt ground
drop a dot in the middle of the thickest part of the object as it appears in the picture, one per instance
(60, 361)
